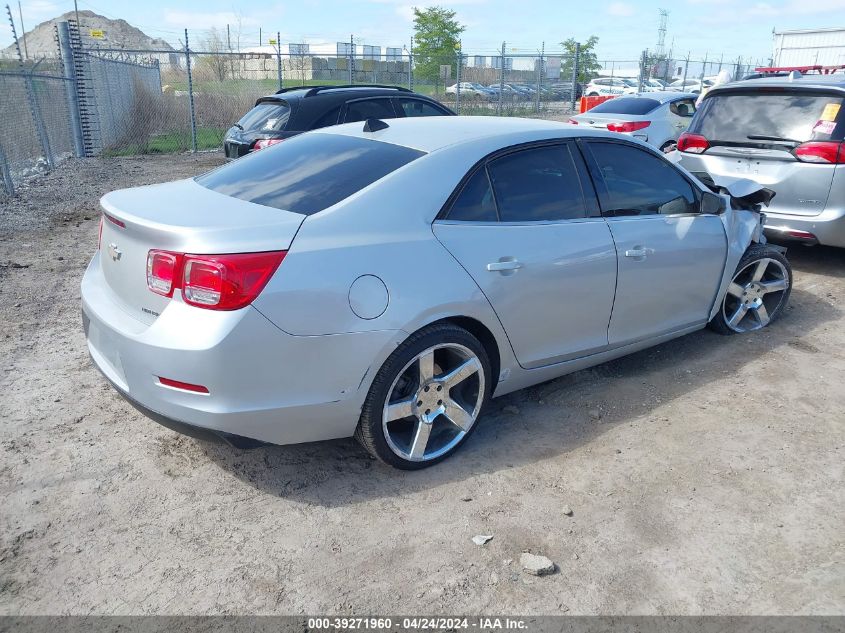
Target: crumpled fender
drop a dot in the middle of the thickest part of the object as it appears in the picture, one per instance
(743, 227)
(744, 193)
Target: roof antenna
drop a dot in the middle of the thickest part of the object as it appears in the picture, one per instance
(374, 125)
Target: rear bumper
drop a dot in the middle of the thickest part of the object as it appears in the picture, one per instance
(827, 228)
(262, 383)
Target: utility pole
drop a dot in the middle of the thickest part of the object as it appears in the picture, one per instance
(351, 59)
(23, 32)
(228, 39)
(76, 13)
(259, 36)
(279, 58)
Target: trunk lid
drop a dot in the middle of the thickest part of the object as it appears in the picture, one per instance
(184, 217)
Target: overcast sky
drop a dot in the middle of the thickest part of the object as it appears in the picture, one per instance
(625, 27)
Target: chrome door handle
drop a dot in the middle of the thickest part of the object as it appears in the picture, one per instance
(504, 265)
(639, 252)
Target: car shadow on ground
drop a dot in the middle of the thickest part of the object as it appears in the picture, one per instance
(820, 260)
(553, 418)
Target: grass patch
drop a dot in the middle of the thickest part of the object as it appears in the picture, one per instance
(172, 142)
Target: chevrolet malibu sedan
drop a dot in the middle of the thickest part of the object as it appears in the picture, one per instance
(386, 279)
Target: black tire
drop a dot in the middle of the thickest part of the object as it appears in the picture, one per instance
(755, 253)
(370, 432)
(593, 94)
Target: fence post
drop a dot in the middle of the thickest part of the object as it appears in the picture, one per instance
(703, 70)
(686, 70)
(540, 72)
(70, 89)
(411, 65)
(191, 94)
(458, 82)
(501, 80)
(279, 59)
(8, 184)
(575, 77)
(351, 59)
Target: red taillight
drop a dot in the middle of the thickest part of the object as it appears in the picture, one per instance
(100, 234)
(266, 142)
(216, 282)
(163, 269)
(186, 386)
(628, 126)
(824, 152)
(693, 143)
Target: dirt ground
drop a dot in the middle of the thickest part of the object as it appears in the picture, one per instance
(705, 476)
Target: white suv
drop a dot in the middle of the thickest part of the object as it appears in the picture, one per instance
(606, 87)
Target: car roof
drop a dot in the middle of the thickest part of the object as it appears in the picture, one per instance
(812, 82)
(339, 93)
(429, 134)
(663, 96)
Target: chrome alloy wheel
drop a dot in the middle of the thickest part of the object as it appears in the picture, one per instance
(433, 402)
(755, 295)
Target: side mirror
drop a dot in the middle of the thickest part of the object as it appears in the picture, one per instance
(712, 203)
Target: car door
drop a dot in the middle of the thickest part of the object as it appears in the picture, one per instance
(670, 255)
(525, 229)
(680, 115)
(373, 108)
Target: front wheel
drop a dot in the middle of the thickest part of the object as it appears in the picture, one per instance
(425, 400)
(758, 292)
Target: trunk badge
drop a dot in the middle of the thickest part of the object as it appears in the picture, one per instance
(114, 251)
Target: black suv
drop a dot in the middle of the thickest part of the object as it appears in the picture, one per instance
(292, 111)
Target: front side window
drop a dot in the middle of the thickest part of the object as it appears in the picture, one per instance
(417, 107)
(308, 173)
(639, 183)
(369, 109)
(537, 184)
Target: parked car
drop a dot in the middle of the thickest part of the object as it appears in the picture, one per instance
(657, 118)
(606, 86)
(563, 90)
(654, 85)
(470, 89)
(292, 111)
(689, 85)
(387, 279)
(786, 134)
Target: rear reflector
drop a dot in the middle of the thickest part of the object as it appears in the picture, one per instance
(823, 152)
(115, 221)
(693, 143)
(801, 235)
(185, 386)
(100, 234)
(573, 121)
(215, 282)
(628, 126)
(266, 142)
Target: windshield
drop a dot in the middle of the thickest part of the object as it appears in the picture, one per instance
(308, 173)
(775, 118)
(266, 117)
(626, 105)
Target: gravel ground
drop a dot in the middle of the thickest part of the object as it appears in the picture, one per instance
(703, 476)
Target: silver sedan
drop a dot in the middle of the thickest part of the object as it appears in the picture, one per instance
(386, 279)
(657, 118)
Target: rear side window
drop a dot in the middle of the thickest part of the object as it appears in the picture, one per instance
(685, 108)
(639, 183)
(308, 173)
(475, 202)
(369, 109)
(537, 184)
(771, 118)
(266, 117)
(417, 107)
(626, 105)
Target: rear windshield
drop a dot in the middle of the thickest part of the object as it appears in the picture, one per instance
(770, 119)
(626, 105)
(266, 117)
(308, 173)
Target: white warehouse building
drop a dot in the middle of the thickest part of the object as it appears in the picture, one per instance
(809, 47)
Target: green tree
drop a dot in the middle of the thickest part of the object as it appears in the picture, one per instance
(436, 38)
(588, 63)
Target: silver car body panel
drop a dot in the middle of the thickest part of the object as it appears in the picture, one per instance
(361, 276)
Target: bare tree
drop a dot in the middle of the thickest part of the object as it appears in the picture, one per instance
(215, 60)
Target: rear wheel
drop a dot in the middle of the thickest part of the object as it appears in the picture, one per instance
(425, 401)
(757, 293)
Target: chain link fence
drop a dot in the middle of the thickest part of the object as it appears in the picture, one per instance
(89, 101)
